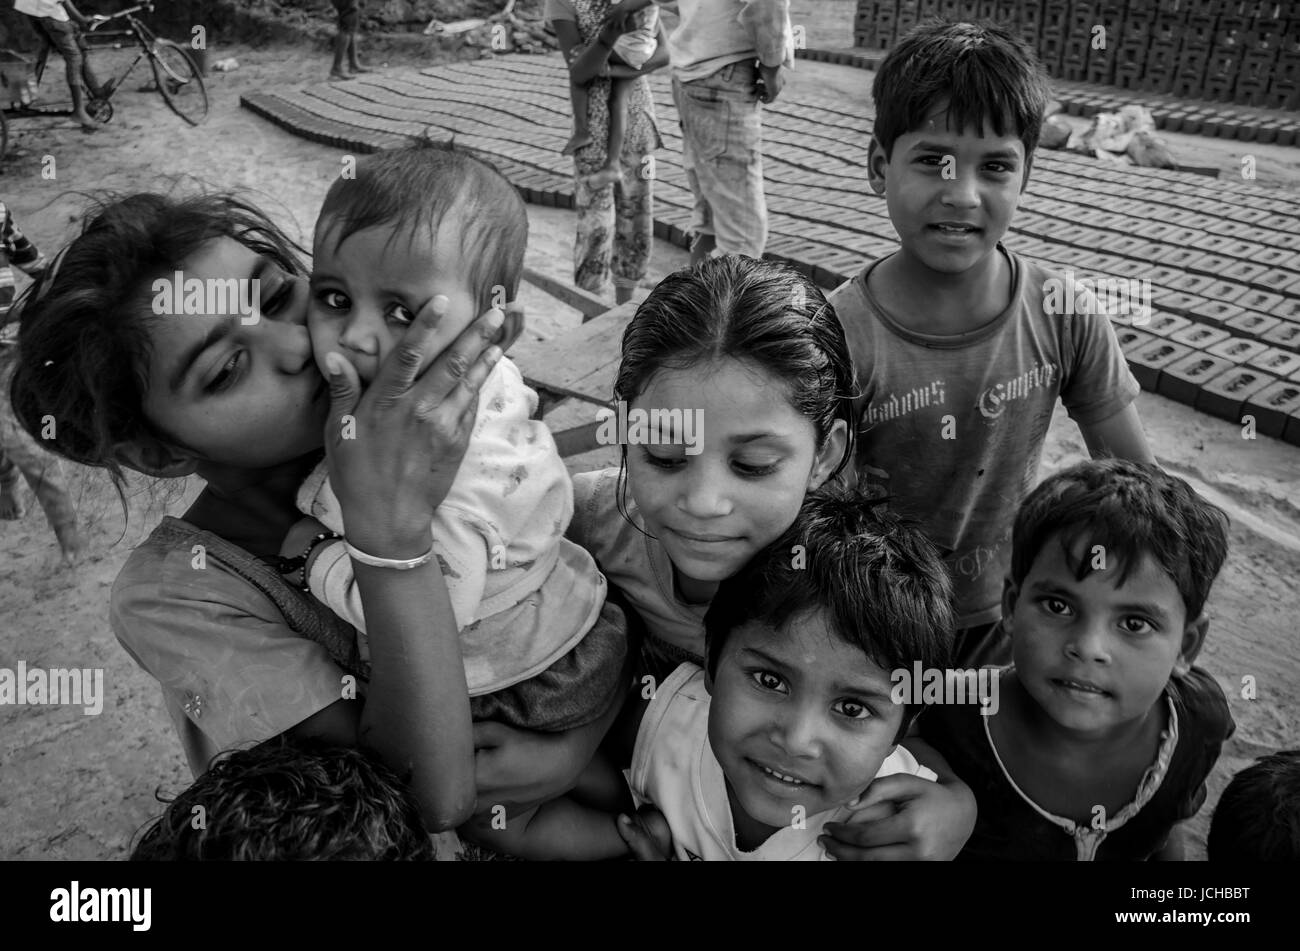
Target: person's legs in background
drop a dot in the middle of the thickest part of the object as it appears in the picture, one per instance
(44, 473)
(722, 137)
(63, 37)
(345, 41)
(633, 225)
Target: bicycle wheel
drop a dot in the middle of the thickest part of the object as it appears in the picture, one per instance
(179, 81)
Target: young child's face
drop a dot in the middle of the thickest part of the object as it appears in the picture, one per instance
(714, 509)
(798, 717)
(238, 392)
(1095, 654)
(951, 193)
(366, 289)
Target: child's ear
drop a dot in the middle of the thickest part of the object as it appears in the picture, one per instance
(1010, 594)
(512, 326)
(1193, 640)
(830, 454)
(156, 458)
(877, 162)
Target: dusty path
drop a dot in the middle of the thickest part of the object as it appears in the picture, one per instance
(74, 786)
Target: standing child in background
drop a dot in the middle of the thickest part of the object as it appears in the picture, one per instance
(961, 362)
(18, 451)
(543, 650)
(1258, 815)
(728, 58)
(633, 48)
(748, 353)
(346, 64)
(1105, 732)
(60, 23)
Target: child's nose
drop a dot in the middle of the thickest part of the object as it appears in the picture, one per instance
(795, 732)
(703, 492)
(961, 191)
(1090, 641)
(360, 334)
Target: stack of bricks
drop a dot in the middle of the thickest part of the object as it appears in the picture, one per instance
(1239, 51)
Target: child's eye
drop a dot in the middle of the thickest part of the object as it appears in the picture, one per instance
(852, 709)
(1056, 606)
(768, 680)
(400, 314)
(999, 168)
(750, 469)
(227, 375)
(278, 298)
(334, 300)
(662, 462)
(1136, 625)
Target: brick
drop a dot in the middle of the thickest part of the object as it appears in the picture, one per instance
(1262, 301)
(1216, 313)
(1182, 379)
(1176, 302)
(1225, 291)
(1250, 324)
(1277, 362)
(1199, 336)
(1226, 394)
(1279, 280)
(1292, 432)
(1164, 324)
(1285, 335)
(1149, 360)
(1237, 349)
(1130, 338)
(1273, 406)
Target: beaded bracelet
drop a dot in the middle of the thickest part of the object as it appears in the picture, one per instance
(287, 566)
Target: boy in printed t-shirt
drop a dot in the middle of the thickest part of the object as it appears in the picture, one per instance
(959, 359)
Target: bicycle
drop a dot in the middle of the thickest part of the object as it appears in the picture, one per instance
(176, 78)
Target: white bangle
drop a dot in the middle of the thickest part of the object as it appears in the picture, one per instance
(397, 564)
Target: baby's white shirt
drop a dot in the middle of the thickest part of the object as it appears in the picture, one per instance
(522, 593)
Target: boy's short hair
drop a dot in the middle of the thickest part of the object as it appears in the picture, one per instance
(1130, 509)
(425, 185)
(879, 579)
(290, 800)
(1258, 815)
(984, 72)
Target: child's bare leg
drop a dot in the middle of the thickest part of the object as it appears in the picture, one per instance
(11, 505)
(612, 170)
(353, 62)
(581, 130)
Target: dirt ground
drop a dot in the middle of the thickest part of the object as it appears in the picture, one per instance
(75, 786)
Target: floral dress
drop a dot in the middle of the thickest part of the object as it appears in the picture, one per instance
(615, 223)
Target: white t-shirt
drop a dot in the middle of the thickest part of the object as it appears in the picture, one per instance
(523, 594)
(674, 768)
(633, 561)
(45, 9)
